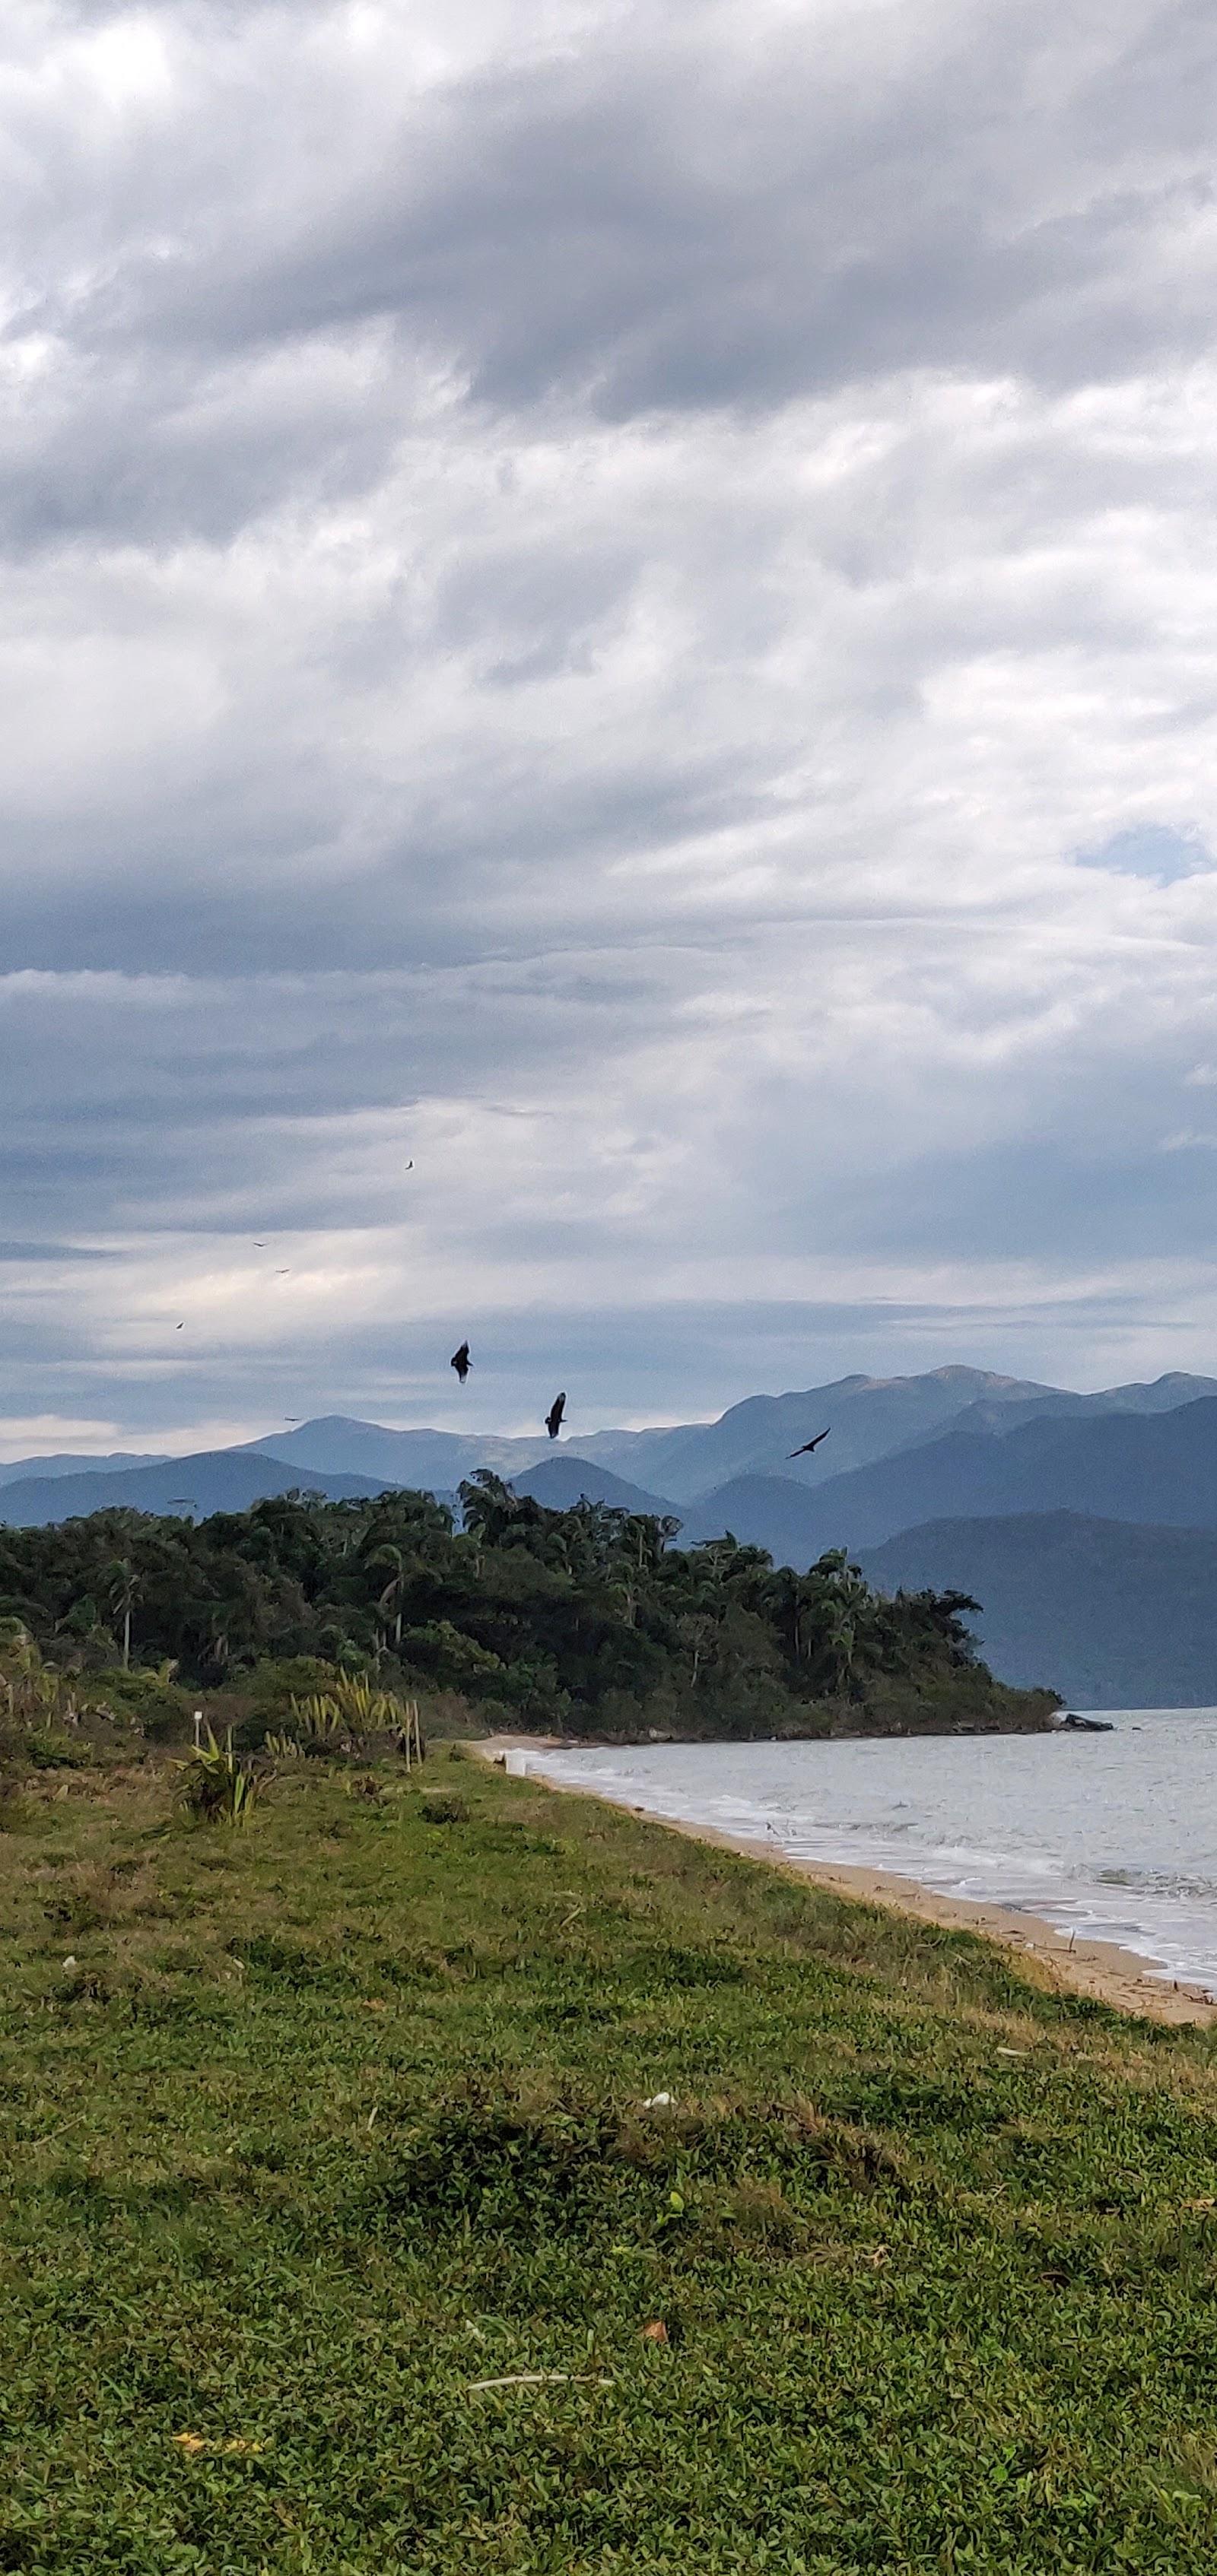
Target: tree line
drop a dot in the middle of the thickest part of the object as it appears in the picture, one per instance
(585, 1621)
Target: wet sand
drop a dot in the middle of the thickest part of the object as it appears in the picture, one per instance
(1100, 1969)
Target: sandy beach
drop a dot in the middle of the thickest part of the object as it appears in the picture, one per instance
(1096, 1968)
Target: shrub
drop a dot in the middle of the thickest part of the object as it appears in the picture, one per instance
(16, 1814)
(146, 1697)
(215, 1786)
(264, 1701)
(50, 1750)
(273, 1684)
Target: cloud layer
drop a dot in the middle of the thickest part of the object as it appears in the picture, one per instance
(620, 606)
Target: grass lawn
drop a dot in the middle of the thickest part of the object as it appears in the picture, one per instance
(334, 2118)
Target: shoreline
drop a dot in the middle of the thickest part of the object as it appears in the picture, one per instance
(1101, 1970)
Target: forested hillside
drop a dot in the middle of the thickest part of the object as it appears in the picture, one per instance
(1122, 1616)
(586, 1620)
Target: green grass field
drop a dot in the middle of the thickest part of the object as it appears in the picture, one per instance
(335, 2118)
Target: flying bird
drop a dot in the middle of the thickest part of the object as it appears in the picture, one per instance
(809, 1445)
(179, 1328)
(553, 1419)
(258, 1247)
(283, 1274)
(461, 1362)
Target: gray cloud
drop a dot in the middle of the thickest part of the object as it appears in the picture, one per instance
(574, 594)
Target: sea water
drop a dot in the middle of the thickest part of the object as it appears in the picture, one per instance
(1112, 1836)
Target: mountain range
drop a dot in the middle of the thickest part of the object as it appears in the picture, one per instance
(1027, 1495)
(215, 1480)
(1114, 1466)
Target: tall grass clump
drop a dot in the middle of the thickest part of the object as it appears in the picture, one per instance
(348, 1716)
(214, 1786)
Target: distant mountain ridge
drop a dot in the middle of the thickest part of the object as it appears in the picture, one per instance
(70, 1462)
(1114, 1466)
(215, 1480)
(955, 1443)
(336, 1444)
(1144, 1467)
(867, 1418)
(1113, 1614)
(565, 1478)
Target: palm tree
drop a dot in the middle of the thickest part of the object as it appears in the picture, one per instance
(123, 1591)
(393, 1596)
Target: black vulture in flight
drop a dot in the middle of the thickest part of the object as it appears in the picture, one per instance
(460, 1361)
(809, 1445)
(553, 1419)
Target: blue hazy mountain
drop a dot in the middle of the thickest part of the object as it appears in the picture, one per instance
(762, 1511)
(215, 1480)
(1109, 1466)
(1113, 1614)
(68, 1462)
(433, 1461)
(954, 1443)
(565, 1478)
(868, 1417)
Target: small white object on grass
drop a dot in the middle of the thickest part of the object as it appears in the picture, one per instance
(69, 1963)
(659, 2102)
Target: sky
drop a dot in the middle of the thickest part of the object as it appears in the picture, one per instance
(608, 668)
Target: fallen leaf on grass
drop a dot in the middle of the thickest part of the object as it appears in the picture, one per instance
(656, 2332)
(544, 2378)
(232, 2445)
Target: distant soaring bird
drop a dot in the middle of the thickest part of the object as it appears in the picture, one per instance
(460, 1361)
(553, 1419)
(809, 1445)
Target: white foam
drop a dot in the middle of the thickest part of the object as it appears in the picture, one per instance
(1111, 1836)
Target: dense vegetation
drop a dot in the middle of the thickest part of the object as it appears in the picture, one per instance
(588, 1620)
(335, 2221)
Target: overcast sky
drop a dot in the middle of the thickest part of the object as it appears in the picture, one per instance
(619, 603)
